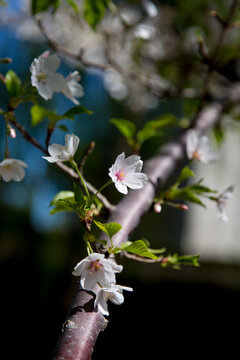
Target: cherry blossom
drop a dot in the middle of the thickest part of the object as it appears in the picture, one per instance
(113, 293)
(222, 201)
(73, 89)
(198, 147)
(96, 269)
(127, 173)
(44, 76)
(12, 169)
(63, 152)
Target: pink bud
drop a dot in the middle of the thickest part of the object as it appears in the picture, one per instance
(11, 132)
(157, 207)
(183, 207)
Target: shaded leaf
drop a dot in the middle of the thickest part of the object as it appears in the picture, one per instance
(76, 110)
(94, 11)
(127, 128)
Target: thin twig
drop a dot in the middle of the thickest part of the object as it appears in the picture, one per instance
(86, 153)
(154, 88)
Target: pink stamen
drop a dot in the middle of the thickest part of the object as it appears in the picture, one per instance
(95, 266)
(120, 175)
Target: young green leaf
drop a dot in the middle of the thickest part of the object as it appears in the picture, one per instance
(62, 195)
(110, 229)
(185, 174)
(13, 83)
(78, 195)
(74, 5)
(76, 110)
(127, 128)
(94, 11)
(38, 6)
(139, 248)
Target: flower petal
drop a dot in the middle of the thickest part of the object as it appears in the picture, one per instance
(51, 63)
(191, 143)
(101, 302)
(136, 180)
(71, 143)
(122, 188)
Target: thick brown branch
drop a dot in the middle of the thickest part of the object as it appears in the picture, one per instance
(128, 213)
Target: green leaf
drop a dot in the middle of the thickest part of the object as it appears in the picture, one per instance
(139, 248)
(152, 128)
(78, 195)
(73, 4)
(62, 195)
(94, 11)
(38, 6)
(39, 113)
(13, 83)
(127, 128)
(218, 133)
(185, 174)
(76, 110)
(110, 229)
(64, 205)
(176, 261)
(186, 194)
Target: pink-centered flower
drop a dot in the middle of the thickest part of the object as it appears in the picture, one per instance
(198, 147)
(113, 293)
(126, 172)
(222, 201)
(96, 269)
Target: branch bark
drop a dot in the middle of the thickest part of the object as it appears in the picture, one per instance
(81, 331)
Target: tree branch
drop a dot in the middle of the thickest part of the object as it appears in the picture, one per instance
(128, 213)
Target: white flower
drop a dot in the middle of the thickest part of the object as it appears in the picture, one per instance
(63, 153)
(113, 293)
(73, 89)
(199, 148)
(126, 172)
(222, 202)
(12, 169)
(44, 76)
(96, 269)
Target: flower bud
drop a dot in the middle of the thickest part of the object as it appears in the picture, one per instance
(11, 132)
(157, 208)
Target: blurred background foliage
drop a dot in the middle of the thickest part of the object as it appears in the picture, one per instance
(38, 251)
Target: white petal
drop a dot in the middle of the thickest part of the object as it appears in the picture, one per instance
(44, 90)
(227, 194)
(222, 215)
(105, 278)
(116, 297)
(50, 159)
(88, 281)
(71, 143)
(56, 82)
(136, 180)
(101, 302)
(55, 149)
(119, 162)
(191, 143)
(122, 188)
(80, 267)
(51, 63)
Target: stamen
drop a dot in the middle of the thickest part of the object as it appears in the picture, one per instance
(95, 266)
(120, 175)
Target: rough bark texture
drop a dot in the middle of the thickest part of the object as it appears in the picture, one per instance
(83, 324)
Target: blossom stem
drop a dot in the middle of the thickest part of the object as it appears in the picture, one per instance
(75, 167)
(103, 187)
(89, 248)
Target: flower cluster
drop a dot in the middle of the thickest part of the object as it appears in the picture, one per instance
(98, 274)
(47, 81)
